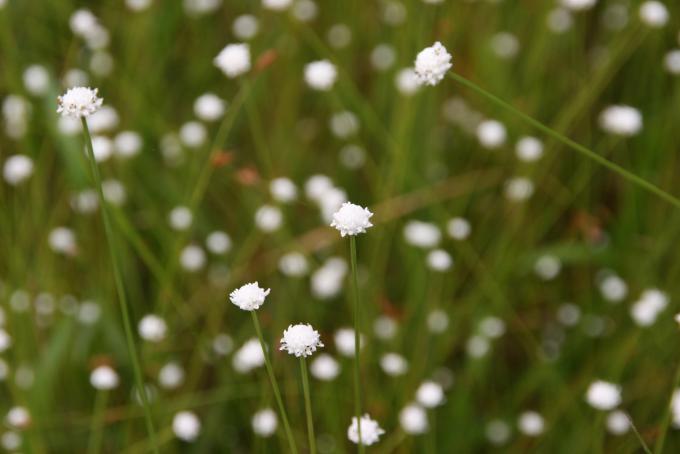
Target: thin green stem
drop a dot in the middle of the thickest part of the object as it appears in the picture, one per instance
(357, 338)
(308, 405)
(628, 175)
(97, 427)
(275, 385)
(658, 447)
(637, 434)
(120, 288)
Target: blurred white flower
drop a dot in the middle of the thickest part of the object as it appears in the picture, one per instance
(370, 431)
(218, 242)
(531, 423)
(413, 419)
(248, 357)
(102, 147)
(17, 169)
(497, 432)
(621, 120)
(201, 7)
(104, 378)
(654, 14)
(324, 367)
(18, 417)
(192, 258)
(672, 62)
(268, 218)
(245, 26)
(505, 45)
(300, 340)
(603, 395)
(422, 234)
(406, 81)
(171, 376)
(430, 394)
(393, 364)
(193, 134)
(234, 60)
(492, 327)
(249, 297)
(518, 189)
(305, 10)
(138, 5)
(432, 63)
(62, 240)
(437, 321)
(327, 281)
(180, 218)
(439, 260)
(491, 134)
(321, 75)
(344, 342)
(103, 120)
(383, 57)
(36, 80)
(385, 327)
(186, 426)
(578, 5)
(293, 264)
(547, 267)
(339, 36)
(209, 107)
(127, 144)
(458, 228)
(477, 346)
(79, 102)
(618, 422)
(613, 288)
(344, 124)
(283, 190)
(276, 5)
(351, 219)
(152, 328)
(265, 422)
(529, 149)
(223, 344)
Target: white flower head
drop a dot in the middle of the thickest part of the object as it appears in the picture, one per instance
(413, 419)
(370, 431)
(351, 219)
(301, 340)
(320, 75)
(264, 422)
(104, 378)
(432, 63)
(234, 60)
(430, 394)
(603, 395)
(249, 297)
(186, 426)
(79, 102)
(621, 120)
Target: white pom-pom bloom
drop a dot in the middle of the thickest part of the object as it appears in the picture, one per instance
(618, 422)
(249, 356)
(654, 14)
(422, 234)
(17, 169)
(264, 422)
(413, 419)
(180, 218)
(370, 431)
(672, 62)
(621, 120)
(603, 395)
(79, 102)
(393, 364)
(491, 134)
(152, 328)
(344, 342)
(325, 367)
(19, 417)
(300, 340)
(351, 219)
(209, 107)
(104, 378)
(186, 426)
(578, 5)
(276, 5)
(432, 63)
(234, 60)
(458, 228)
(249, 297)
(529, 149)
(320, 75)
(531, 423)
(283, 190)
(430, 394)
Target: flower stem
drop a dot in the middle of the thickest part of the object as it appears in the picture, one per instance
(120, 289)
(628, 175)
(658, 447)
(275, 385)
(357, 339)
(308, 405)
(97, 429)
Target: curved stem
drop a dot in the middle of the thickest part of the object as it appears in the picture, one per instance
(120, 289)
(357, 339)
(628, 175)
(308, 405)
(275, 385)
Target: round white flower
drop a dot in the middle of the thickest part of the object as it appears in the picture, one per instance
(300, 340)
(249, 297)
(218, 242)
(79, 102)
(245, 27)
(432, 63)
(193, 134)
(293, 264)
(547, 267)
(422, 234)
(351, 219)
(413, 419)
(621, 120)
(268, 218)
(531, 423)
(152, 328)
(406, 81)
(344, 342)
(283, 190)
(186, 426)
(171, 376)
(277, 5)
(654, 14)
(104, 378)
(325, 367)
(370, 431)
(491, 134)
(672, 62)
(497, 431)
(393, 364)
(458, 228)
(439, 260)
(603, 395)
(17, 169)
(192, 258)
(234, 60)
(264, 422)
(618, 422)
(430, 394)
(248, 357)
(180, 218)
(321, 75)
(529, 149)
(209, 107)
(37, 80)
(127, 144)
(18, 417)
(518, 189)
(578, 5)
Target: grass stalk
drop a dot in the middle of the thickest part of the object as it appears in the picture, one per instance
(97, 426)
(275, 385)
(308, 405)
(658, 447)
(357, 338)
(626, 174)
(120, 288)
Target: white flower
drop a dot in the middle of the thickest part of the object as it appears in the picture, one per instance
(393, 364)
(618, 422)
(458, 228)
(432, 63)
(613, 288)
(351, 219)
(439, 260)
(654, 14)
(192, 258)
(326, 282)
(152, 328)
(422, 234)
(621, 120)
(672, 62)
(276, 5)
(79, 102)
(245, 26)
(300, 340)
(283, 190)
(518, 189)
(18, 417)
(234, 60)
(491, 134)
(344, 342)
(37, 80)
(406, 81)
(180, 218)
(193, 134)
(370, 431)
(171, 376)
(249, 297)
(17, 169)
(321, 75)
(186, 425)
(218, 242)
(249, 356)
(127, 144)
(293, 264)
(430, 394)
(413, 419)
(578, 5)
(547, 267)
(104, 378)
(268, 218)
(603, 395)
(529, 149)
(264, 422)
(531, 423)
(325, 367)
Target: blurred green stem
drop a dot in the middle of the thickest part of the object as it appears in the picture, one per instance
(120, 288)
(357, 338)
(97, 428)
(628, 175)
(308, 405)
(658, 447)
(275, 385)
